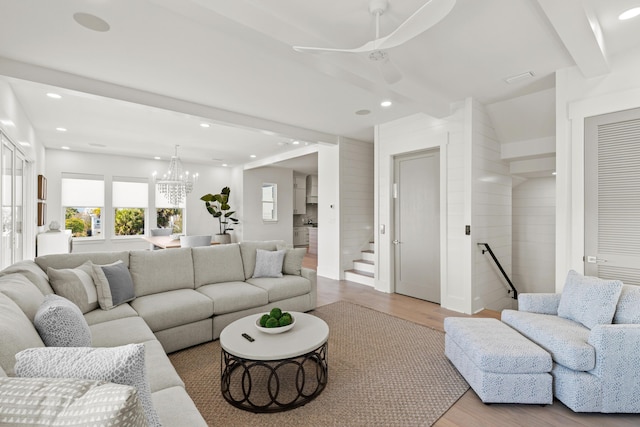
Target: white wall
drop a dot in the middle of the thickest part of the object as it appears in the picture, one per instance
(576, 99)
(491, 215)
(329, 247)
(253, 226)
(534, 235)
(198, 220)
(356, 199)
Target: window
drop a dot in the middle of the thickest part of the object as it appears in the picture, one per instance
(169, 216)
(83, 201)
(269, 202)
(130, 204)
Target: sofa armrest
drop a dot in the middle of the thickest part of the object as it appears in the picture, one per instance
(542, 303)
(310, 274)
(618, 365)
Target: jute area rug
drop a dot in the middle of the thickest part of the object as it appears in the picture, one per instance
(383, 371)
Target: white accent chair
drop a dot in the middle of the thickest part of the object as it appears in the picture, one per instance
(159, 232)
(195, 241)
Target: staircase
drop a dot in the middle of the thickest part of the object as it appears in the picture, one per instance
(364, 268)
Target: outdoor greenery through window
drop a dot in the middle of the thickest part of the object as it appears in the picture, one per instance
(83, 201)
(169, 216)
(130, 201)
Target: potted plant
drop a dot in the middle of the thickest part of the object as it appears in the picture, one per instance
(218, 206)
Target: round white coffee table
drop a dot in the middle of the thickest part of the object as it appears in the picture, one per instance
(274, 372)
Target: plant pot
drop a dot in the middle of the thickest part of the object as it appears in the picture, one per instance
(223, 239)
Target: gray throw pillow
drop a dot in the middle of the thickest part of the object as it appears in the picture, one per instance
(589, 300)
(114, 284)
(293, 260)
(268, 263)
(60, 323)
(76, 285)
(120, 365)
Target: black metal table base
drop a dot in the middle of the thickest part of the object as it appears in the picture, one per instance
(274, 385)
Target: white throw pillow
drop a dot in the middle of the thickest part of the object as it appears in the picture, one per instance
(60, 323)
(120, 365)
(589, 300)
(268, 263)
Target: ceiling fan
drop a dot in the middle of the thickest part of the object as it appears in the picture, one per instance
(429, 14)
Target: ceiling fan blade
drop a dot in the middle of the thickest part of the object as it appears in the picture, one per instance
(390, 73)
(367, 47)
(424, 18)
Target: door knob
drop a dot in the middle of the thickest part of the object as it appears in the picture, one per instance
(594, 260)
(395, 242)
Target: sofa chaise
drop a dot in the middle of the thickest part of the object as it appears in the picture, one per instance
(592, 332)
(179, 298)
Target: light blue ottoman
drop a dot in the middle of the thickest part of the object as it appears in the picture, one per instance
(500, 365)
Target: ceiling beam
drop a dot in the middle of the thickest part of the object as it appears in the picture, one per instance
(37, 74)
(580, 32)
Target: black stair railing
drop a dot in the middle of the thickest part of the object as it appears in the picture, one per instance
(488, 249)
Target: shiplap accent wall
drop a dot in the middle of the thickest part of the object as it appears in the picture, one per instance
(356, 199)
(534, 235)
(491, 214)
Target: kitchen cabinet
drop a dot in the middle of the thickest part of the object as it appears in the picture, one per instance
(300, 236)
(299, 195)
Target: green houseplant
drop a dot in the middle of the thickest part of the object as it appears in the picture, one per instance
(218, 206)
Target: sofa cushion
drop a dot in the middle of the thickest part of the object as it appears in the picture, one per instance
(564, 339)
(113, 284)
(293, 258)
(176, 408)
(268, 263)
(61, 324)
(76, 285)
(160, 372)
(217, 264)
(160, 271)
(120, 332)
(22, 292)
(284, 287)
(628, 309)
(74, 260)
(121, 365)
(589, 300)
(69, 402)
(248, 251)
(173, 308)
(16, 333)
(99, 315)
(234, 296)
(31, 271)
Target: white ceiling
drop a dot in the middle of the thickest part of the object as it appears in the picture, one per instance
(165, 66)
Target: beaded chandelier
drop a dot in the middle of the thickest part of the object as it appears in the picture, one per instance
(175, 185)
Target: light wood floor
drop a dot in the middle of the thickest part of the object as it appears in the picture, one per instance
(469, 411)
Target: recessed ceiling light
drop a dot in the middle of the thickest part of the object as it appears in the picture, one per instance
(61, 129)
(205, 125)
(25, 144)
(6, 122)
(91, 22)
(554, 173)
(386, 103)
(64, 147)
(296, 142)
(54, 95)
(224, 165)
(363, 112)
(157, 158)
(628, 14)
(253, 156)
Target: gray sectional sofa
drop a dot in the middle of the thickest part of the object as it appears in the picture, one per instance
(183, 297)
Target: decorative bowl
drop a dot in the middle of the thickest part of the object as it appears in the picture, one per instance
(278, 330)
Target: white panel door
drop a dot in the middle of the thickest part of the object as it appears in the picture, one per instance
(417, 225)
(612, 196)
